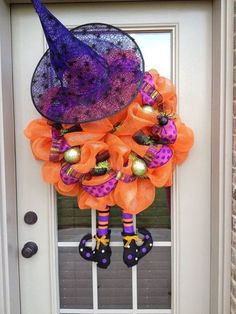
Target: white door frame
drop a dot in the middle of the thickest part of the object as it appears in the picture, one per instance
(221, 178)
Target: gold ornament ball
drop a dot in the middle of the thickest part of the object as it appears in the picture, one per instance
(148, 109)
(139, 167)
(72, 155)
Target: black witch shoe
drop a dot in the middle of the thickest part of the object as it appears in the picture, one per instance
(102, 252)
(134, 252)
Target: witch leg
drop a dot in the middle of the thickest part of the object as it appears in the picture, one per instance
(102, 252)
(134, 247)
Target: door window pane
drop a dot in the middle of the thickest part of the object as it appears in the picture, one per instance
(156, 218)
(75, 280)
(156, 50)
(154, 279)
(73, 223)
(115, 284)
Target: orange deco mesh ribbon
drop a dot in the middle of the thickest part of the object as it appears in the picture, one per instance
(118, 160)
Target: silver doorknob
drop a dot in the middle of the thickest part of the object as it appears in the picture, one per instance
(29, 249)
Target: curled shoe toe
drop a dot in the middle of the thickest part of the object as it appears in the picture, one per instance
(136, 248)
(85, 251)
(102, 252)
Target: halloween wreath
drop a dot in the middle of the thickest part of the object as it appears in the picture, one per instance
(110, 133)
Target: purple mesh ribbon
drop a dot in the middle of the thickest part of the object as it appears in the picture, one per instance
(127, 178)
(148, 91)
(167, 132)
(155, 157)
(105, 188)
(69, 175)
(101, 190)
(87, 74)
(59, 145)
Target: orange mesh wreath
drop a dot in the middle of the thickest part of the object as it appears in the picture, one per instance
(118, 160)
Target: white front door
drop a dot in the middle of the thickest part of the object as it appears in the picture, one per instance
(175, 38)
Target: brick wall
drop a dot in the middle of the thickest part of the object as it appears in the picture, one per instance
(233, 284)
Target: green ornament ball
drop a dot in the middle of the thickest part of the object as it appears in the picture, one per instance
(139, 167)
(148, 109)
(72, 155)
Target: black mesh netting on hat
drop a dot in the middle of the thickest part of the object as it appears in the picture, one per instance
(88, 75)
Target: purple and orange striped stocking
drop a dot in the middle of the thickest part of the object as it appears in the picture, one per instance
(103, 222)
(128, 226)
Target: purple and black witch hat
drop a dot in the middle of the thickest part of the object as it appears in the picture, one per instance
(87, 74)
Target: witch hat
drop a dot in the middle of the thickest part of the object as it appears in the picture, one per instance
(87, 74)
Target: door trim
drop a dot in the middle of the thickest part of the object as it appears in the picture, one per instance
(221, 180)
(9, 274)
(221, 164)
